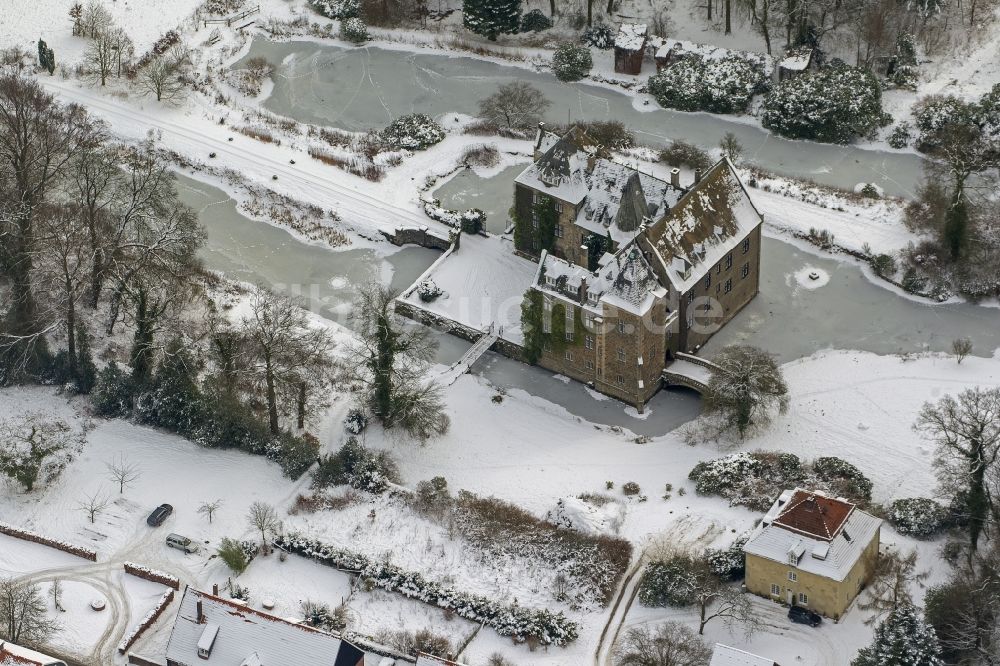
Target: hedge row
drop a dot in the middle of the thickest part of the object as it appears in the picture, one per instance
(152, 575)
(146, 622)
(507, 620)
(28, 535)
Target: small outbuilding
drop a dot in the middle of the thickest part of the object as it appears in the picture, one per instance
(795, 62)
(630, 47)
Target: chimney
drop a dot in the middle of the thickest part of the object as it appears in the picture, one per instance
(697, 175)
(583, 290)
(215, 589)
(675, 178)
(541, 132)
(201, 613)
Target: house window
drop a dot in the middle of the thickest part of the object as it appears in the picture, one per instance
(729, 286)
(792, 576)
(535, 198)
(746, 245)
(708, 281)
(588, 342)
(569, 355)
(621, 326)
(621, 354)
(776, 590)
(559, 206)
(559, 231)
(729, 261)
(803, 599)
(620, 379)
(745, 271)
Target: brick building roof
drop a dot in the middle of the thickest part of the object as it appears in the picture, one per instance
(815, 516)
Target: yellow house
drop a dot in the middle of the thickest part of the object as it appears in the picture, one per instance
(813, 551)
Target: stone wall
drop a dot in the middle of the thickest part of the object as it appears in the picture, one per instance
(421, 236)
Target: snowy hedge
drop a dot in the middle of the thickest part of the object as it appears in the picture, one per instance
(754, 479)
(413, 132)
(471, 221)
(146, 622)
(917, 516)
(836, 105)
(337, 9)
(34, 537)
(718, 85)
(507, 620)
(153, 575)
(728, 563)
(571, 62)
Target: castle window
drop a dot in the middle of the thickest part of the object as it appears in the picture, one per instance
(690, 297)
(621, 354)
(591, 297)
(569, 336)
(708, 281)
(588, 342)
(590, 365)
(746, 245)
(559, 206)
(745, 271)
(551, 281)
(559, 231)
(729, 261)
(729, 286)
(621, 325)
(620, 379)
(569, 355)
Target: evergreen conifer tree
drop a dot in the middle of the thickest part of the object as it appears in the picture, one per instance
(903, 639)
(490, 18)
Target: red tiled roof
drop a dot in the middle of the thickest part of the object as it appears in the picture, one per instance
(9, 658)
(816, 516)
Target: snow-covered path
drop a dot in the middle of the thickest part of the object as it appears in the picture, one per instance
(372, 205)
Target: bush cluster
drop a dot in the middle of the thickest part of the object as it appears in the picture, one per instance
(173, 400)
(356, 466)
(836, 104)
(755, 479)
(356, 421)
(337, 9)
(413, 132)
(354, 30)
(599, 36)
(728, 563)
(535, 21)
(669, 582)
(507, 620)
(718, 85)
(682, 153)
(917, 516)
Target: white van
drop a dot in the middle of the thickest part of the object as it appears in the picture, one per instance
(182, 543)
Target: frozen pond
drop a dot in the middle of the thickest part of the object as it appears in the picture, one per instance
(326, 280)
(466, 189)
(364, 88)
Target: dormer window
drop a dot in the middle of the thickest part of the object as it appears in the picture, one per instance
(550, 280)
(591, 297)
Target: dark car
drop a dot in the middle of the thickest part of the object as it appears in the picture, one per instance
(804, 616)
(159, 514)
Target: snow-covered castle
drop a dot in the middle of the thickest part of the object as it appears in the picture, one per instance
(632, 269)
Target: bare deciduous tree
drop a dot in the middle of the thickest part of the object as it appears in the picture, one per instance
(123, 472)
(208, 509)
(967, 433)
(961, 347)
(94, 505)
(669, 644)
(290, 359)
(33, 448)
(264, 519)
(95, 18)
(56, 592)
(23, 616)
(162, 76)
(892, 580)
(516, 105)
(100, 58)
(745, 388)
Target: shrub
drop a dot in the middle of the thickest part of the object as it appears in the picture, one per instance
(870, 191)
(668, 582)
(718, 85)
(843, 478)
(295, 454)
(113, 393)
(356, 421)
(901, 135)
(416, 642)
(682, 153)
(318, 614)
(413, 132)
(237, 554)
(473, 220)
(837, 104)
(337, 9)
(599, 36)
(358, 467)
(631, 488)
(535, 21)
(883, 265)
(917, 516)
(571, 62)
(728, 563)
(354, 30)
(432, 496)
(483, 155)
(610, 134)
(428, 291)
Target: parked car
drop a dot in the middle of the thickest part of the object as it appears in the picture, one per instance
(804, 616)
(159, 514)
(182, 543)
